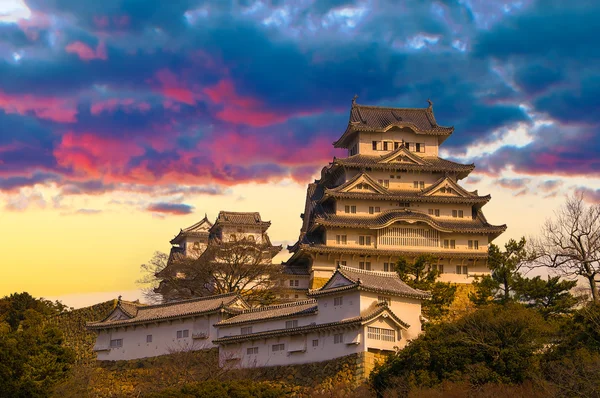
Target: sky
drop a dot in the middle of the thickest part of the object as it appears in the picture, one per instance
(122, 121)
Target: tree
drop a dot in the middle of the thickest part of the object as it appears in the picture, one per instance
(149, 279)
(570, 243)
(550, 297)
(505, 266)
(32, 356)
(421, 274)
(495, 344)
(241, 266)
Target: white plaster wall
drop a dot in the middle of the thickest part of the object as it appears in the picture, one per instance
(362, 207)
(325, 350)
(328, 312)
(164, 338)
(407, 309)
(262, 326)
(228, 231)
(365, 146)
(384, 323)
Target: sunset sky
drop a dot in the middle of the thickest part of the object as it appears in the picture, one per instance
(122, 121)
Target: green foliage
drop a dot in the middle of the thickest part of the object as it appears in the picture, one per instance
(32, 356)
(496, 344)
(551, 296)
(226, 389)
(422, 275)
(505, 266)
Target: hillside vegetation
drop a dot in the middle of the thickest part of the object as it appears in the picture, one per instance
(76, 337)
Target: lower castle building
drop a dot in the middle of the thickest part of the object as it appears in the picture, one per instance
(355, 311)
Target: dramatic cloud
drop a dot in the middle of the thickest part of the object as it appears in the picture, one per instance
(191, 97)
(171, 208)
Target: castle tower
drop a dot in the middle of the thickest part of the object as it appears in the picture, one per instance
(393, 197)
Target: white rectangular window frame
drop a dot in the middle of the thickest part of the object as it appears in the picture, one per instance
(291, 324)
(116, 343)
(278, 347)
(246, 330)
(381, 334)
(182, 334)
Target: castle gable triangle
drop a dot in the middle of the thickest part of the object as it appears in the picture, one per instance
(337, 280)
(201, 226)
(404, 156)
(447, 187)
(361, 183)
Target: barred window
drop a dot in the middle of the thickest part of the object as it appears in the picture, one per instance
(278, 347)
(291, 324)
(315, 343)
(246, 330)
(252, 350)
(116, 343)
(181, 334)
(338, 338)
(149, 338)
(338, 300)
(381, 334)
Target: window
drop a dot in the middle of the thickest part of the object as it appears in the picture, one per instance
(407, 145)
(341, 239)
(470, 245)
(346, 209)
(449, 244)
(430, 211)
(385, 145)
(437, 212)
(353, 150)
(476, 244)
(377, 209)
(338, 338)
(182, 334)
(352, 209)
(246, 330)
(462, 269)
(417, 147)
(404, 204)
(291, 324)
(278, 347)
(364, 240)
(371, 210)
(251, 350)
(116, 343)
(315, 343)
(416, 184)
(381, 334)
(374, 145)
(443, 190)
(460, 214)
(385, 183)
(384, 299)
(386, 267)
(454, 213)
(422, 184)
(364, 265)
(338, 301)
(340, 262)
(149, 338)
(294, 282)
(396, 145)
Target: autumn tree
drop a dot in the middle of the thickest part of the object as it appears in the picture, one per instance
(569, 243)
(422, 274)
(241, 266)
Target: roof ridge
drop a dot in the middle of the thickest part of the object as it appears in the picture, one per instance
(391, 107)
(277, 306)
(223, 295)
(367, 272)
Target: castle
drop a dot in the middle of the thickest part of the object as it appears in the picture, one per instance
(391, 197)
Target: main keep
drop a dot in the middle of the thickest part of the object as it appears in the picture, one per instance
(392, 197)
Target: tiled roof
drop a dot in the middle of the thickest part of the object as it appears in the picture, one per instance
(240, 218)
(432, 164)
(360, 251)
(342, 324)
(159, 312)
(388, 217)
(378, 118)
(299, 308)
(377, 281)
(191, 231)
(295, 270)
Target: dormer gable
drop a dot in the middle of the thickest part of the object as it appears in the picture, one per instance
(446, 186)
(404, 156)
(338, 280)
(361, 183)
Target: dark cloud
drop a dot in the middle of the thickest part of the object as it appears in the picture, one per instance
(170, 208)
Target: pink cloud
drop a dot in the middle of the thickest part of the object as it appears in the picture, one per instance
(86, 53)
(94, 156)
(127, 104)
(172, 88)
(50, 108)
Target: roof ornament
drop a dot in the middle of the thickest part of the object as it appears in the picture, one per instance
(430, 104)
(359, 281)
(119, 300)
(354, 99)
